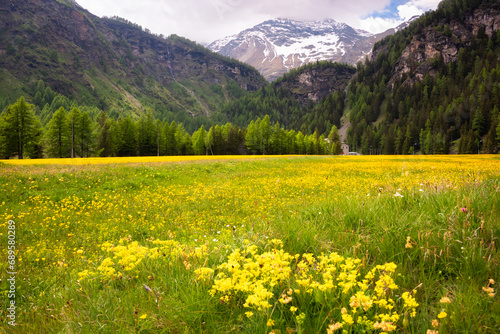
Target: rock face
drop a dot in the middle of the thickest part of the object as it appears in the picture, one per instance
(433, 44)
(315, 83)
(276, 46)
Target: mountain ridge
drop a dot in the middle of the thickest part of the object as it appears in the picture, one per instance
(113, 64)
(278, 45)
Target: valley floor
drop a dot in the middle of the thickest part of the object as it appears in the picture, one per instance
(403, 244)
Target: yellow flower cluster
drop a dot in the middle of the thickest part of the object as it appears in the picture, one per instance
(252, 274)
(488, 289)
(329, 279)
(127, 255)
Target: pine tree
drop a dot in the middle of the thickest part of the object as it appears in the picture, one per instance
(58, 134)
(86, 135)
(478, 124)
(35, 146)
(265, 130)
(334, 140)
(105, 142)
(127, 137)
(147, 134)
(17, 128)
(170, 140)
(407, 143)
(251, 138)
(498, 130)
(199, 141)
(74, 122)
(184, 144)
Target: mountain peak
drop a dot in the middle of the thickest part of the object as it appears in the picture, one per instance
(275, 46)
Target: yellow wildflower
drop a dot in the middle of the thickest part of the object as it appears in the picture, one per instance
(333, 327)
(408, 243)
(445, 300)
(385, 326)
(348, 319)
(203, 273)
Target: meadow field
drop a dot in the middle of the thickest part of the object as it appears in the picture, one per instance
(354, 244)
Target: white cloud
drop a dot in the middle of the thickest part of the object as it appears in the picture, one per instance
(207, 20)
(406, 11)
(378, 24)
(416, 7)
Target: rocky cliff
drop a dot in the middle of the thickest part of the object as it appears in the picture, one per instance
(442, 43)
(315, 82)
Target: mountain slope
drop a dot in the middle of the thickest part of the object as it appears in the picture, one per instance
(276, 46)
(308, 98)
(111, 63)
(433, 87)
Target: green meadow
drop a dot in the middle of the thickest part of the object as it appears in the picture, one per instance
(363, 244)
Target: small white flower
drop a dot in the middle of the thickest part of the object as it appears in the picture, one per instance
(397, 194)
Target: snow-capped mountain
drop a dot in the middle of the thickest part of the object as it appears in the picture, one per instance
(276, 46)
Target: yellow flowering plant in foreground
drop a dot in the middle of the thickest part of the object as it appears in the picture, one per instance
(276, 285)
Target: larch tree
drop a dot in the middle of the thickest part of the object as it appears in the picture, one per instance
(334, 140)
(17, 128)
(58, 134)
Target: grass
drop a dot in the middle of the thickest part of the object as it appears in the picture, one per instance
(282, 244)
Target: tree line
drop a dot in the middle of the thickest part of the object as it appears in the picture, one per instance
(74, 133)
(280, 103)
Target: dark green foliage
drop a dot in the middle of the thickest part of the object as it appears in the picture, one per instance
(58, 135)
(457, 101)
(147, 135)
(284, 101)
(264, 138)
(18, 130)
(106, 138)
(85, 136)
(334, 141)
(127, 138)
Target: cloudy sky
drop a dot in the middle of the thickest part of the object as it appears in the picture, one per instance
(207, 20)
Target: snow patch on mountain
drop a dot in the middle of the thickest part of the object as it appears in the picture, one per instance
(276, 46)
